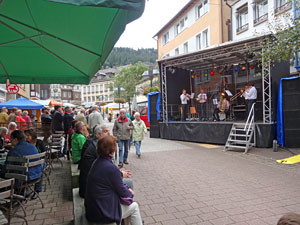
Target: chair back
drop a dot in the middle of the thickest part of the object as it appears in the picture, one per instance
(8, 185)
(35, 159)
(17, 167)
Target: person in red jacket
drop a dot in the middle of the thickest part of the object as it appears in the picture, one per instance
(22, 125)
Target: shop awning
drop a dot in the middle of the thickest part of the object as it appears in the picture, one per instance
(60, 41)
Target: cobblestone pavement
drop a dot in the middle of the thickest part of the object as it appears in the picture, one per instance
(57, 198)
(188, 183)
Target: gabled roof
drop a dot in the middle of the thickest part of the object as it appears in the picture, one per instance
(175, 17)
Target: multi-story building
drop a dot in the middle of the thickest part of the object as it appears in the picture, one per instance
(250, 18)
(65, 93)
(198, 25)
(100, 88)
(34, 91)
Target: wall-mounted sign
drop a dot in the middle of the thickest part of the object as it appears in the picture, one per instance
(12, 88)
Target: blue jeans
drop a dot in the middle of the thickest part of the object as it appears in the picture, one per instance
(138, 147)
(122, 143)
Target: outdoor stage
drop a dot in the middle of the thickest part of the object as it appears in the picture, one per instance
(213, 132)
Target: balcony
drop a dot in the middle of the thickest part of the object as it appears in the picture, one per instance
(283, 7)
(242, 28)
(261, 19)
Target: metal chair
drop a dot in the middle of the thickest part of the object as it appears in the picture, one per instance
(56, 146)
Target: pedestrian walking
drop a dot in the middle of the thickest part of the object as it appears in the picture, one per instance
(121, 130)
(139, 129)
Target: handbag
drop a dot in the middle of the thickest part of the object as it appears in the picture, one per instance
(126, 200)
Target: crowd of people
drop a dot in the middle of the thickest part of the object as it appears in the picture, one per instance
(106, 187)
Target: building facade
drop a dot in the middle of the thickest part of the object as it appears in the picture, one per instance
(65, 93)
(100, 89)
(200, 24)
(250, 17)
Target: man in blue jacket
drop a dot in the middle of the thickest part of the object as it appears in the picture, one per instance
(23, 148)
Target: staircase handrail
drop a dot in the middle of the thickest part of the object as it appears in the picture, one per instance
(250, 119)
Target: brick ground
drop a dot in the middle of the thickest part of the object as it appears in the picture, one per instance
(180, 183)
(57, 199)
(201, 184)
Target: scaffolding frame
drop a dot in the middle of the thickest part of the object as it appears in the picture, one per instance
(164, 93)
(267, 91)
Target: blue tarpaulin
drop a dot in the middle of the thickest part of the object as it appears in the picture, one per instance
(21, 103)
(280, 127)
(157, 104)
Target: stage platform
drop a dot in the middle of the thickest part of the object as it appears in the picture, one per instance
(213, 132)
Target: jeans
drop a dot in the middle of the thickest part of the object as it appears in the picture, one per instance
(122, 143)
(138, 147)
(134, 212)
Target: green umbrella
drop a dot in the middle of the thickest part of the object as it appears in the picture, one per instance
(60, 41)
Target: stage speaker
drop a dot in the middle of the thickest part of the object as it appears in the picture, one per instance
(153, 111)
(154, 131)
(291, 112)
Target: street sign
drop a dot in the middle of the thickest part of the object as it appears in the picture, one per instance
(12, 88)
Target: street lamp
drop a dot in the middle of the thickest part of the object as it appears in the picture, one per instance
(151, 74)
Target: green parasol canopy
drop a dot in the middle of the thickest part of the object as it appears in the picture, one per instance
(60, 41)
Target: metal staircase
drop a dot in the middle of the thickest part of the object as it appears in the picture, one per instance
(242, 135)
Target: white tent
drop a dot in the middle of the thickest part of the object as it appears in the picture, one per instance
(42, 102)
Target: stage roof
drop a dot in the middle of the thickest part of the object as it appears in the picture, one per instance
(228, 53)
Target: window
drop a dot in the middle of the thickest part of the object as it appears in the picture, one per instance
(69, 94)
(93, 88)
(198, 41)
(281, 5)
(97, 88)
(202, 9)
(177, 51)
(205, 38)
(65, 94)
(89, 99)
(242, 19)
(84, 90)
(89, 89)
(179, 27)
(165, 38)
(186, 47)
(85, 99)
(260, 11)
(202, 77)
(32, 87)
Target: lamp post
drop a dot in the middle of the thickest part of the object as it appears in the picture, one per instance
(151, 74)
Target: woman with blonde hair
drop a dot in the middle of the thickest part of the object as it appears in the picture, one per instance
(139, 129)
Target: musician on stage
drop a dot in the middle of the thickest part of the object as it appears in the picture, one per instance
(250, 95)
(202, 99)
(222, 108)
(184, 98)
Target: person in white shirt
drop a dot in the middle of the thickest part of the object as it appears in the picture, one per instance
(202, 99)
(184, 98)
(95, 118)
(250, 95)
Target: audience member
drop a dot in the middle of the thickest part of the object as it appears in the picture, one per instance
(94, 119)
(139, 129)
(22, 148)
(121, 130)
(27, 118)
(46, 120)
(22, 125)
(31, 137)
(78, 139)
(108, 199)
(3, 132)
(12, 126)
(289, 219)
(81, 117)
(12, 116)
(68, 118)
(57, 120)
(3, 117)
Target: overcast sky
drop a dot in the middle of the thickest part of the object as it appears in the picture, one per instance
(139, 33)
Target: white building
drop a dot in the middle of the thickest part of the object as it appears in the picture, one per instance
(256, 17)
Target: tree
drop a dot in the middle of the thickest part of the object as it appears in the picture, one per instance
(125, 81)
(283, 40)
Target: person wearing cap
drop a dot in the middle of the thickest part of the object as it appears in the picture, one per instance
(3, 117)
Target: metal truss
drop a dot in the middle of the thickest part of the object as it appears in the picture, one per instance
(164, 93)
(266, 88)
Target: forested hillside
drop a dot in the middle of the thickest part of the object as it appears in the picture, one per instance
(125, 56)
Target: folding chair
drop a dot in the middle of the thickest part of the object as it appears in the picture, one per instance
(56, 146)
(7, 199)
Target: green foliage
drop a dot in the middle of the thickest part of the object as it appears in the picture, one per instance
(283, 41)
(147, 90)
(126, 56)
(125, 81)
(119, 100)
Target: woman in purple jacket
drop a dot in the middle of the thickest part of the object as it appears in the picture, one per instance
(107, 198)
